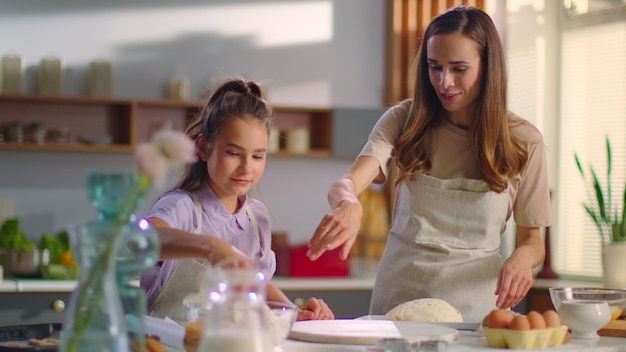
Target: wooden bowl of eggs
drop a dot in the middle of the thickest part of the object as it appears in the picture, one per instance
(507, 329)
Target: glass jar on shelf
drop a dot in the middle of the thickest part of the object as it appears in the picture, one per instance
(37, 133)
(16, 132)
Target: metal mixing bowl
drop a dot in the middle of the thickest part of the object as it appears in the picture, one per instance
(24, 263)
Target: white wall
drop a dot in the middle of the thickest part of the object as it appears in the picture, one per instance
(310, 53)
(317, 53)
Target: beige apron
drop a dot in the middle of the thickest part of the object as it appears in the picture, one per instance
(187, 284)
(444, 243)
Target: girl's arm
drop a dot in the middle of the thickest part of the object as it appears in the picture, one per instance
(176, 244)
(341, 226)
(516, 275)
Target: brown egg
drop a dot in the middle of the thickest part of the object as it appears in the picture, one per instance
(519, 322)
(552, 319)
(536, 320)
(498, 319)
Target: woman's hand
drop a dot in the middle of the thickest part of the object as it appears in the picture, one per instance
(515, 278)
(315, 309)
(339, 227)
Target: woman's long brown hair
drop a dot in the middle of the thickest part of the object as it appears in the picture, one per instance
(499, 154)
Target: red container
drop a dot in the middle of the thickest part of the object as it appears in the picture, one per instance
(327, 265)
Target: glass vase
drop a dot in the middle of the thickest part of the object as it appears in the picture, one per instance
(94, 319)
(130, 246)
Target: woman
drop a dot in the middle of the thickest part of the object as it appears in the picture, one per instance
(465, 164)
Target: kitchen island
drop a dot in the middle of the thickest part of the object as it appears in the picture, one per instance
(42, 301)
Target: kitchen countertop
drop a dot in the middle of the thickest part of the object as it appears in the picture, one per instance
(284, 283)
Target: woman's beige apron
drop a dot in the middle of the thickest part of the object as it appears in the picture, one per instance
(187, 284)
(444, 243)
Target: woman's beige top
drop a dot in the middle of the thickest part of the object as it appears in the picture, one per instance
(452, 157)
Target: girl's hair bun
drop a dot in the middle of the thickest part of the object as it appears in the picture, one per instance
(255, 89)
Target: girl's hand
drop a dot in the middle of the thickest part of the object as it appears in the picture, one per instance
(338, 228)
(315, 309)
(223, 254)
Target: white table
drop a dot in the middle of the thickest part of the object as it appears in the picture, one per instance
(468, 341)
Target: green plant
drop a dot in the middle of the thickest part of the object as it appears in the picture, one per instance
(609, 218)
(12, 237)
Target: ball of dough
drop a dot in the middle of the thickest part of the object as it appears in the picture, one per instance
(425, 310)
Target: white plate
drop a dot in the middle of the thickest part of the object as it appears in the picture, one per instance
(368, 332)
(470, 324)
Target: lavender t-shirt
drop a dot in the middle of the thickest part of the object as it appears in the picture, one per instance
(177, 209)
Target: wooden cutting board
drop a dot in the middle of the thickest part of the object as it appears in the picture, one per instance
(368, 332)
(616, 328)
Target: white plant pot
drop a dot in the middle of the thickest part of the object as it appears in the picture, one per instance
(614, 265)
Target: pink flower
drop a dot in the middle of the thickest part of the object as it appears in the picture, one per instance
(176, 146)
(167, 150)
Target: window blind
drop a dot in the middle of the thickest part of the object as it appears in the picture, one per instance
(592, 106)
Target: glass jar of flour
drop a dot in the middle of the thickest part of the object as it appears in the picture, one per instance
(235, 319)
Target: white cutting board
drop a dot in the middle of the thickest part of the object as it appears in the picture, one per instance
(368, 332)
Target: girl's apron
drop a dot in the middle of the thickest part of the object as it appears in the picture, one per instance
(187, 284)
(444, 243)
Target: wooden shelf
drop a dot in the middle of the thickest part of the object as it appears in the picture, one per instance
(118, 125)
(70, 147)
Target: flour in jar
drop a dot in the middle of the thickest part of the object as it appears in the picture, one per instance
(278, 321)
(234, 341)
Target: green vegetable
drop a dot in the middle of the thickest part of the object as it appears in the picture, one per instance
(11, 237)
(56, 244)
(49, 242)
(60, 272)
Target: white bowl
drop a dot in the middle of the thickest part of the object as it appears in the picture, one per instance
(585, 318)
(281, 319)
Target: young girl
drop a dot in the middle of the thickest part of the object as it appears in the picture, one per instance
(208, 214)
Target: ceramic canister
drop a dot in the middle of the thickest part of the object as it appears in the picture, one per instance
(273, 144)
(180, 88)
(298, 140)
(100, 78)
(12, 74)
(51, 76)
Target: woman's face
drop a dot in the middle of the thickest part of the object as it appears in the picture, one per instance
(455, 72)
(236, 159)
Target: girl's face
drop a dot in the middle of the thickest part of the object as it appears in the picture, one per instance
(236, 159)
(455, 72)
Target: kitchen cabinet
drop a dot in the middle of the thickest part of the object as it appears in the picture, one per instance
(34, 301)
(83, 124)
(347, 297)
(32, 307)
